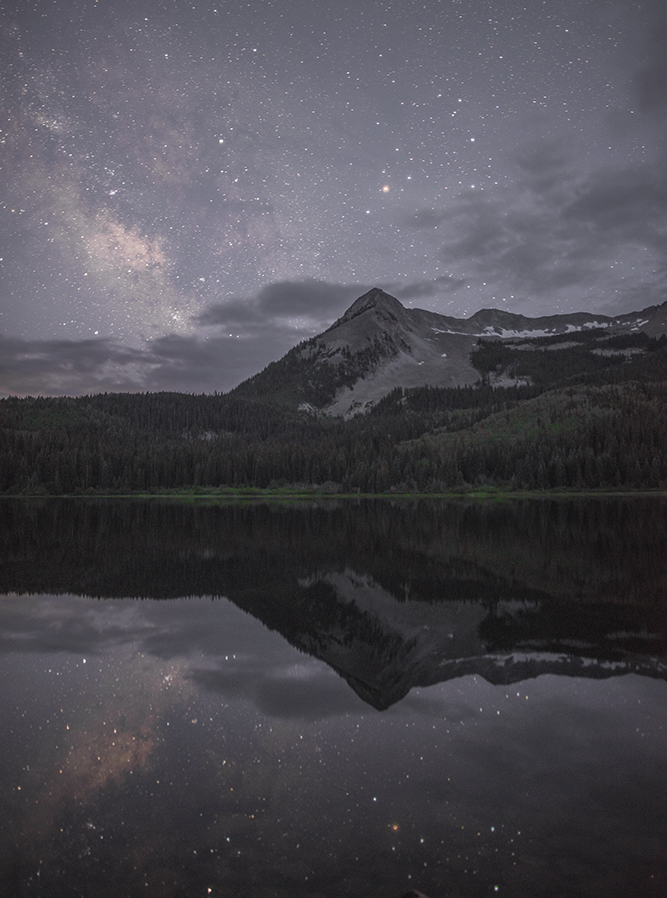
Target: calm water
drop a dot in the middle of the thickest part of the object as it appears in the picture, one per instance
(339, 699)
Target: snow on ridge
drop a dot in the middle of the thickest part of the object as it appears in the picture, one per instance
(593, 324)
(555, 658)
(524, 657)
(503, 332)
(548, 332)
(589, 325)
(454, 333)
(527, 333)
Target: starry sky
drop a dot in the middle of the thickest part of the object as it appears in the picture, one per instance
(188, 189)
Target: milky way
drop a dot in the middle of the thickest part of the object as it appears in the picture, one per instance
(189, 189)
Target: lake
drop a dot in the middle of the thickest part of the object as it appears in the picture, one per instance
(333, 699)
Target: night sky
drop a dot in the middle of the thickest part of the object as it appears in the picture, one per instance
(188, 189)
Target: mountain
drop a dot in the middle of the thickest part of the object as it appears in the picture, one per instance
(384, 648)
(497, 400)
(378, 345)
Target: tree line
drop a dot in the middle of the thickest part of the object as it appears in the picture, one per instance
(583, 436)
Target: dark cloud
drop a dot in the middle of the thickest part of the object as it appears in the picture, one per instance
(560, 234)
(311, 298)
(58, 366)
(623, 205)
(228, 314)
(482, 232)
(314, 698)
(213, 363)
(214, 629)
(319, 301)
(171, 362)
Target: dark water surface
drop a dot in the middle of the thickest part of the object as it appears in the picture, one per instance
(333, 699)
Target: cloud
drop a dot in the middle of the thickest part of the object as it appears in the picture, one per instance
(250, 334)
(626, 205)
(545, 165)
(313, 298)
(228, 314)
(591, 237)
(319, 302)
(28, 366)
(170, 362)
(72, 624)
(483, 231)
(244, 659)
(310, 303)
(303, 692)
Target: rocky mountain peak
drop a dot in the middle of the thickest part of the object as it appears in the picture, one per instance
(373, 299)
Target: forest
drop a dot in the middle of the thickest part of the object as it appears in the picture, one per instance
(569, 423)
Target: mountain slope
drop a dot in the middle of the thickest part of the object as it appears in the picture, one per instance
(378, 345)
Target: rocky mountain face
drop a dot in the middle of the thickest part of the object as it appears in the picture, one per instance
(378, 345)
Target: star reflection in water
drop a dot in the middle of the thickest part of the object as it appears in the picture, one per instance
(196, 751)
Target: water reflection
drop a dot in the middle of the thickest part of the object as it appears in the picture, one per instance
(172, 748)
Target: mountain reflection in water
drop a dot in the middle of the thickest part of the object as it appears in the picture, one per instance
(200, 746)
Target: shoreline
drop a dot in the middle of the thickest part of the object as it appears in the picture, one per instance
(281, 493)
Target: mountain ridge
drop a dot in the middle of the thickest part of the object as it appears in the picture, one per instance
(378, 345)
